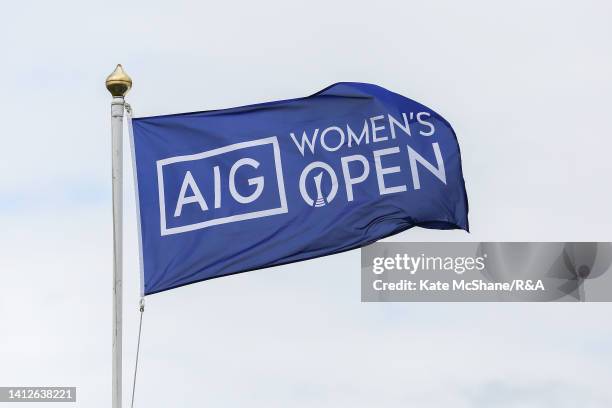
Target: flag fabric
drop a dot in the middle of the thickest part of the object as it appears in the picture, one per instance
(227, 191)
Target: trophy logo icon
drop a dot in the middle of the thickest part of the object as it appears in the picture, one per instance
(321, 200)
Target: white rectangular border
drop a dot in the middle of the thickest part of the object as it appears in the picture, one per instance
(232, 218)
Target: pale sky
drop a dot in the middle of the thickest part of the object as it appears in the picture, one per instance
(526, 86)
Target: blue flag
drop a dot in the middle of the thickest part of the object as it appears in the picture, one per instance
(228, 191)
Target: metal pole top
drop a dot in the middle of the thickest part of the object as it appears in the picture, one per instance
(118, 82)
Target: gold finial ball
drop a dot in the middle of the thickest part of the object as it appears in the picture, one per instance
(118, 82)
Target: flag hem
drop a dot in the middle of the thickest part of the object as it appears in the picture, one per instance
(137, 197)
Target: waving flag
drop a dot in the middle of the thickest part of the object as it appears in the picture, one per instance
(228, 191)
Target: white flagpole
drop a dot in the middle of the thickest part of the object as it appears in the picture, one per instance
(118, 84)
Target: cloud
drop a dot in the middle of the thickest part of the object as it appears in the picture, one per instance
(544, 394)
(526, 87)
